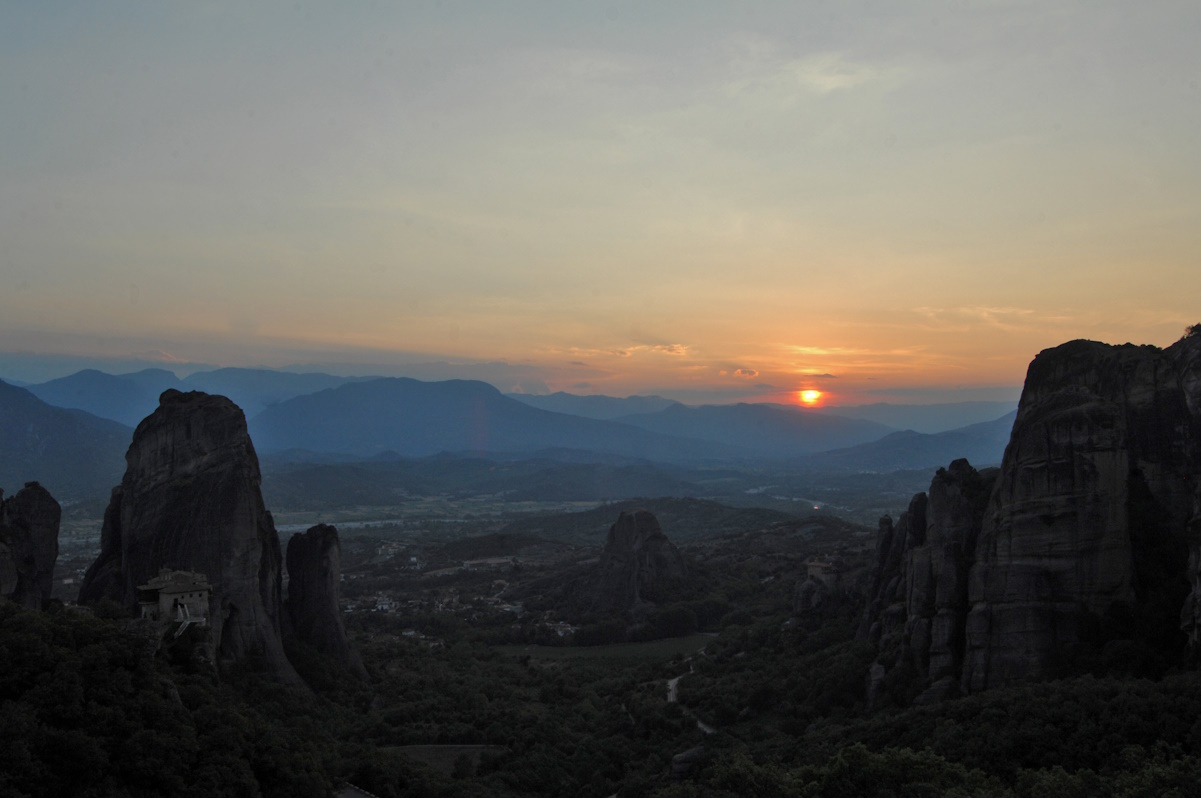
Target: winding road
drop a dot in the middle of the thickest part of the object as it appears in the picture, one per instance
(673, 698)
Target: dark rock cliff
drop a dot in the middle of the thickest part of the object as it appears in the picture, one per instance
(918, 601)
(314, 587)
(638, 565)
(1078, 554)
(191, 500)
(28, 545)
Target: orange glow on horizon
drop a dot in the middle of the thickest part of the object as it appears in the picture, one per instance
(809, 396)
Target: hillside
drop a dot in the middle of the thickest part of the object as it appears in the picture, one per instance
(416, 419)
(125, 398)
(983, 444)
(73, 454)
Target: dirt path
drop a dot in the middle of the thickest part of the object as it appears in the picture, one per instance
(673, 686)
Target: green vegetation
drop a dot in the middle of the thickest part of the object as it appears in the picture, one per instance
(664, 649)
(453, 708)
(86, 709)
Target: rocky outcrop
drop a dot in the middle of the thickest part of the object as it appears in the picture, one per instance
(1087, 534)
(638, 566)
(28, 545)
(810, 596)
(190, 500)
(1081, 549)
(314, 588)
(822, 588)
(919, 598)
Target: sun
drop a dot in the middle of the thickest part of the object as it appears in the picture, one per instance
(809, 397)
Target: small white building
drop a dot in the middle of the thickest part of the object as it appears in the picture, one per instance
(175, 596)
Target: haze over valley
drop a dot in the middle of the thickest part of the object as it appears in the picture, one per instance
(615, 400)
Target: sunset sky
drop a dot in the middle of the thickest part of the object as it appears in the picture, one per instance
(886, 201)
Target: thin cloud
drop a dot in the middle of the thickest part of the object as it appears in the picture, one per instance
(1005, 318)
(159, 356)
(829, 72)
(677, 350)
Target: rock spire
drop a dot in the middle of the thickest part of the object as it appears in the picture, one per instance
(28, 545)
(1082, 548)
(314, 587)
(637, 565)
(190, 500)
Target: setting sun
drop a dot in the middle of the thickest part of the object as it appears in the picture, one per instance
(809, 397)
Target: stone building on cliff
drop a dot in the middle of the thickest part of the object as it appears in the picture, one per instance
(176, 596)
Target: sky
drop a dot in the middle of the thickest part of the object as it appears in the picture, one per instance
(712, 201)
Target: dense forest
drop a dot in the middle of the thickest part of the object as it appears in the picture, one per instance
(88, 708)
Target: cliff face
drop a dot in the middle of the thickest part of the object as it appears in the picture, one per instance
(637, 564)
(1089, 538)
(190, 500)
(314, 587)
(28, 545)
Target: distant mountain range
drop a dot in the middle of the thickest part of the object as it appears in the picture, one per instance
(603, 408)
(72, 453)
(416, 419)
(324, 418)
(982, 444)
(924, 418)
(125, 398)
(128, 398)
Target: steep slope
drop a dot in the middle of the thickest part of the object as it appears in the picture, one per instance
(73, 454)
(1087, 534)
(190, 500)
(415, 419)
(1084, 553)
(766, 430)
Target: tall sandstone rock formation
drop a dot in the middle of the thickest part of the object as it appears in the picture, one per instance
(1087, 545)
(191, 500)
(637, 565)
(28, 545)
(314, 587)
